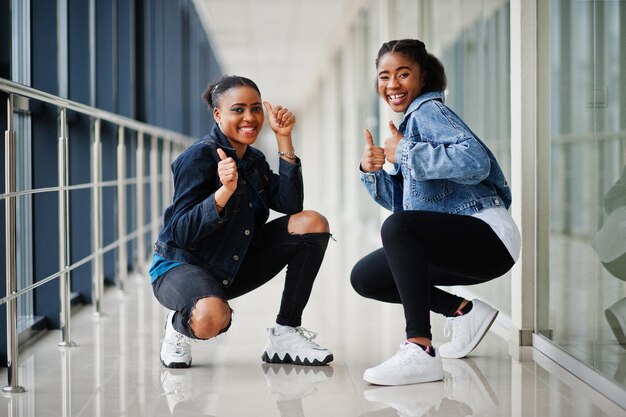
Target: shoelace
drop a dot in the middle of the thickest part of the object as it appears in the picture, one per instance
(305, 333)
(451, 325)
(396, 356)
(178, 343)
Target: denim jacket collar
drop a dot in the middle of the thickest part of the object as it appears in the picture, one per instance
(421, 99)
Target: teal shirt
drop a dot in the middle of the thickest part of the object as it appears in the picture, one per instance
(160, 266)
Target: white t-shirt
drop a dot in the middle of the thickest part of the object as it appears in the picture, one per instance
(501, 222)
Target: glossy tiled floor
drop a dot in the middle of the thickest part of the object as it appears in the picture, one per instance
(115, 370)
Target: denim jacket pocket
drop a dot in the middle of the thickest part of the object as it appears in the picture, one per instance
(431, 190)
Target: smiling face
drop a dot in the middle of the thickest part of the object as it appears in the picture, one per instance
(240, 116)
(400, 80)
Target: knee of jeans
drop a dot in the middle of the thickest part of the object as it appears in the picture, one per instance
(307, 221)
(210, 317)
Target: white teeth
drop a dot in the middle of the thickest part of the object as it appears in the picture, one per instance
(396, 96)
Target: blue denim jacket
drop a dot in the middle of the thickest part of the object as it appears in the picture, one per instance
(194, 232)
(440, 165)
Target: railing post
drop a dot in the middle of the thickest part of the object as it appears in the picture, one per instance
(141, 237)
(165, 178)
(121, 210)
(154, 188)
(11, 257)
(97, 282)
(64, 238)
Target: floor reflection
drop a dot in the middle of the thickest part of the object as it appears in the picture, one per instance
(183, 396)
(463, 392)
(289, 384)
(115, 369)
(466, 385)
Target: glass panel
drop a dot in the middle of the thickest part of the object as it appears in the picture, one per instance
(474, 50)
(587, 263)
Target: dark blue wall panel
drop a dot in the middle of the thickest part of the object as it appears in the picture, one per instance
(152, 63)
(79, 146)
(44, 159)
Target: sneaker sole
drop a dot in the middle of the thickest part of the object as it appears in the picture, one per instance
(479, 336)
(176, 365)
(404, 381)
(297, 361)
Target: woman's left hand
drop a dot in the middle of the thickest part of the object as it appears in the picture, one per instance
(281, 119)
(391, 143)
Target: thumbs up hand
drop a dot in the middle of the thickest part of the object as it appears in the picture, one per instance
(391, 143)
(227, 171)
(281, 119)
(373, 156)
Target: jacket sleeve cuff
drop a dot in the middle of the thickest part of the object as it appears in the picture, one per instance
(402, 152)
(369, 180)
(210, 211)
(289, 169)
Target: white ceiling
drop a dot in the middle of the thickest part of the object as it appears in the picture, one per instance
(280, 44)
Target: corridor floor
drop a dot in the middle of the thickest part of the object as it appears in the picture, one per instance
(115, 371)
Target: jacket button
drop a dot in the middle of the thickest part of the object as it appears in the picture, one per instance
(225, 282)
(250, 205)
(246, 232)
(235, 257)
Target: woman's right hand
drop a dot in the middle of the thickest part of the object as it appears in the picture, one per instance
(227, 171)
(373, 156)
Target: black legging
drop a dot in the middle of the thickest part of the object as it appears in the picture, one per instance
(422, 249)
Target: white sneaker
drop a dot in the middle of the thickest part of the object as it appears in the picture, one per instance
(290, 382)
(175, 350)
(616, 317)
(410, 365)
(467, 330)
(296, 346)
(466, 384)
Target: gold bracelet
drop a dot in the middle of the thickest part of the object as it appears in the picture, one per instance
(289, 154)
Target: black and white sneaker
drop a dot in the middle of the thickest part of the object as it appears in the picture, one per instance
(176, 349)
(295, 345)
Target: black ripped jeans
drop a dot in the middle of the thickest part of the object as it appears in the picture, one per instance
(181, 287)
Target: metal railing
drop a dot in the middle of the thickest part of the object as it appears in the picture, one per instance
(172, 144)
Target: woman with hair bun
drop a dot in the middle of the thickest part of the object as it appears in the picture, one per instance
(450, 223)
(215, 244)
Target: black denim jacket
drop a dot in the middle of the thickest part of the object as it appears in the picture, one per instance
(193, 232)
